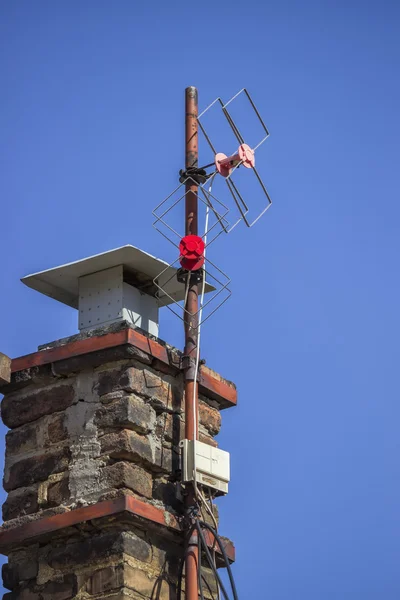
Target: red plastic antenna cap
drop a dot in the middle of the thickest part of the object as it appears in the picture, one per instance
(191, 249)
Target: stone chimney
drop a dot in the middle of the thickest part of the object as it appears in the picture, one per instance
(92, 466)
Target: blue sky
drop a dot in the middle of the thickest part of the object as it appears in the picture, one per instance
(91, 114)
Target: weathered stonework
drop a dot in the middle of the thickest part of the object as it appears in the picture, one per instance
(88, 430)
(5, 369)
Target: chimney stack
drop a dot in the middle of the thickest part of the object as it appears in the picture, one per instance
(92, 468)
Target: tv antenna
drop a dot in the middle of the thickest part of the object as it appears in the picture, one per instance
(245, 156)
(197, 272)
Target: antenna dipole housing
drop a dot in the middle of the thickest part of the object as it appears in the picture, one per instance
(244, 156)
(191, 250)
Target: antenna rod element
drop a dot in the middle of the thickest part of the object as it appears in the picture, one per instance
(191, 335)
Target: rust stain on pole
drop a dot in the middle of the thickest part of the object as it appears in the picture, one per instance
(191, 390)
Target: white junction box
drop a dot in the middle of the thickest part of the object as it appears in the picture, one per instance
(212, 465)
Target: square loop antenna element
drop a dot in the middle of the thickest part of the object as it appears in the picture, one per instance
(211, 274)
(245, 156)
(218, 211)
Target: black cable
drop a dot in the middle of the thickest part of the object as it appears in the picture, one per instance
(223, 552)
(198, 175)
(212, 565)
(210, 496)
(180, 576)
(210, 561)
(208, 166)
(200, 582)
(202, 544)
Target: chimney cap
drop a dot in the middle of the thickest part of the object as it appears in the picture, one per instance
(62, 283)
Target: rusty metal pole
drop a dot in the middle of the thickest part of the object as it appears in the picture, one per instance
(191, 392)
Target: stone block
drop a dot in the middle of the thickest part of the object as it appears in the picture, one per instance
(172, 427)
(16, 572)
(23, 407)
(20, 502)
(56, 429)
(166, 459)
(97, 548)
(134, 545)
(5, 369)
(128, 412)
(161, 393)
(207, 439)
(127, 445)
(10, 575)
(156, 386)
(210, 418)
(107, 398)
(33, 375)
(139, 581)
(27, 569)
(37, 468)
(167, 558)
(22, 439)
(58, 492)
(128, 379)
(147, 585)
(166, 492)
(61, 589)
(105, 580)
(164, 393)
(100, 358)
(127, 475)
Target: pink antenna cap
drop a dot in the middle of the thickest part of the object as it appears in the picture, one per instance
(244, 156)
(247, 156)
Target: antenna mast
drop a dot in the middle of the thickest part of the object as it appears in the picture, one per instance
(212, 470)
(191, 329)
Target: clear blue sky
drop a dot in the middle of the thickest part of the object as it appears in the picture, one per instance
(91, 114)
